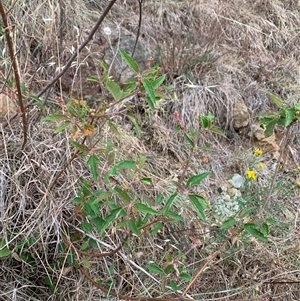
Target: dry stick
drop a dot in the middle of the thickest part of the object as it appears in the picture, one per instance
(139, 26)
(211, 258)
(72, 58)
(16, 73)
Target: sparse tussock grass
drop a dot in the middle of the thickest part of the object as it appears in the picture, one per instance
(151, 192)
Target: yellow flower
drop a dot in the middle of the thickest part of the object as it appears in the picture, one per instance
(251, 175)
(299, 168)
(257, 152)
(298, 184)
(260, 165)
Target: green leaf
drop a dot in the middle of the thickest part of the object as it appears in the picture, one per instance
(92, 79)
(155, 269)
(174, 216)
(217, 131)
(70, 257)
(265, 229)
(111, 217)
(150, 93)
(92, 163)
(144, 209)
(189, 140)
(159, 199)
(130, 62)
(85, 262)
(98, 222)
(49, 283)
(200, 199)
(92, 208)
(205, 122)
(103, 65)
(141, 162)
(122, 194)
(210, 116)
(270, 128)
(129, 86)
(4, 251)
(113, 128)
(276, 100)
(132, 226)
(157, 82)
(135, 123)
(173, 285)
(62, 127)
(169, 269)
(55, 117)
(185, 277)
(196, 180)
(23, 88)
(38, 101)
(102, 196)
(150, 73)
(81, 147)
(252, 230)
(246, 212)
(121, 224)
(86, 227)
(147, 181)
(156, 228)
(206, 148)
(289, 116)
(85, 188)
(281, 120)
(199, 204)
(126, 164)
(114, 90)
(168, 204)
(228, 223)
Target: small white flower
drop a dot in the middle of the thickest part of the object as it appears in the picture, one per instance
(237, 181)
(107, 31)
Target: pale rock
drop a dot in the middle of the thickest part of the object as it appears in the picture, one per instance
(267, 144)
(240, 115)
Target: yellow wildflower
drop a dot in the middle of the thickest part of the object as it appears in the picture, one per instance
(260, 165)
(299, 168)
(251, 175)
(257, 152)
(298, 184)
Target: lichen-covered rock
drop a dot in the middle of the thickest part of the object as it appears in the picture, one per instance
(240, 115)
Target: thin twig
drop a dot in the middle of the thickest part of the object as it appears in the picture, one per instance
(16, 73)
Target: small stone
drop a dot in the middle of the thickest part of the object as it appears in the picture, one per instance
(240, 115)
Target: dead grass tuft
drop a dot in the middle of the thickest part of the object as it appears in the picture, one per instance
(214, 53)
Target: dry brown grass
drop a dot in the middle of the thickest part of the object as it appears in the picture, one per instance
(213, 52)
